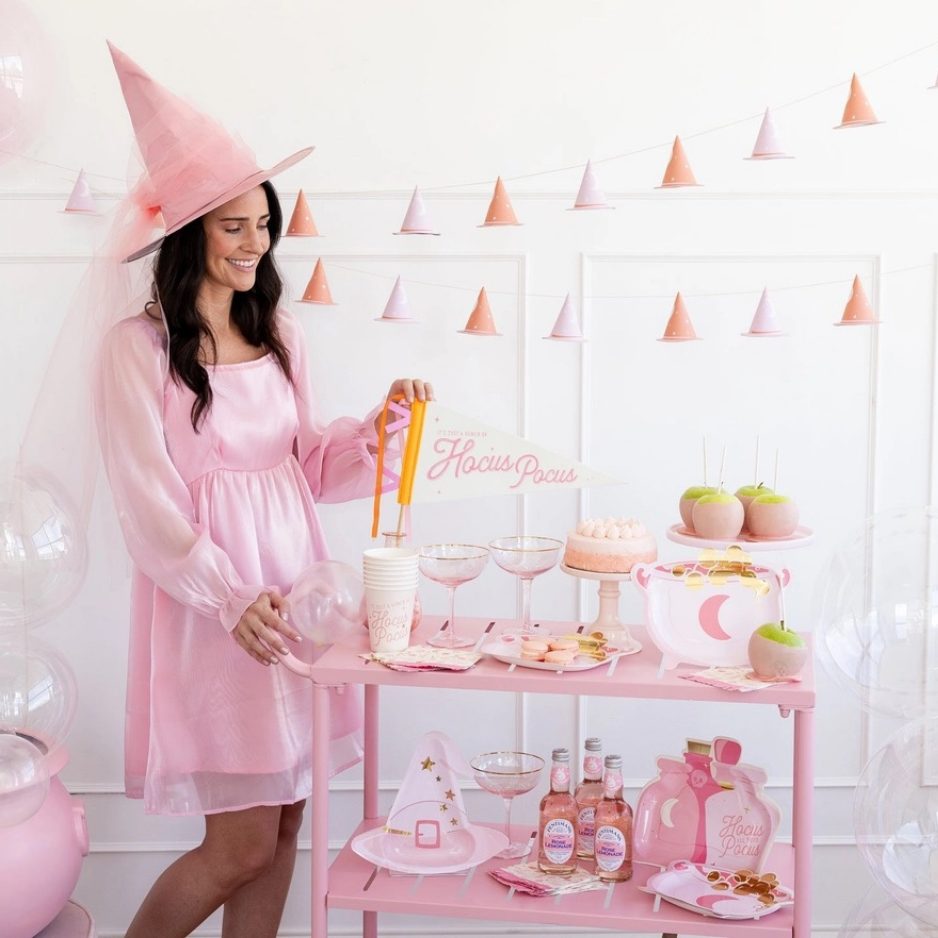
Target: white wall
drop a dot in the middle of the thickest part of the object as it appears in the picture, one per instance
(448, 96)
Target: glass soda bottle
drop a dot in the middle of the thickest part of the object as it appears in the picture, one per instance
(613, 823)
(557, 828)
(588, 794)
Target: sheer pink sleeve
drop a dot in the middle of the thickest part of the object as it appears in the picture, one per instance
(335, 457)
(153, 503)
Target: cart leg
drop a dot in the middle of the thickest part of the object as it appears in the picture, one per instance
(370, 778)
(802, 819)
(319, 848)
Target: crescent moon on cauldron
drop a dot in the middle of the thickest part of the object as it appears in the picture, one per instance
(709, 617)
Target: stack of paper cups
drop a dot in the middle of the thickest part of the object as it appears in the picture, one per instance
(390, 578)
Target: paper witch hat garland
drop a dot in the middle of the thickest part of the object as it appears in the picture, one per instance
(427, 829)
(678, 172)
(301, 221)
(397, 308)
(566, 328)
(765, 322)
(858, 111)
(500, 211)
(480, 321)
(679, 327)
(81, 202)
(589, 196)
(767, 146)
(858, 311)
(416, 221)
(317, 290)
(193, 163)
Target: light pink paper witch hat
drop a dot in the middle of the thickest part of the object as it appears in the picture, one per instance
(678, 172)
(397, 308)
(566, 328)
(765, 322)
(480, 321)
(81, 202)
(416, 221)
(679, 327)
(590, 195)
(301, 221)
(858, 311)
(767, 146)
(858, 111)
(500, 211)
(193, 163)
(427, 829)
(317, 290)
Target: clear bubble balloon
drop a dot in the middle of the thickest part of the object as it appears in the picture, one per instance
(24, 779)
(38, 693)
(43, 556)
(877, 614)
(327, 602)
(896, 818)
(25, 78)
(877, 916)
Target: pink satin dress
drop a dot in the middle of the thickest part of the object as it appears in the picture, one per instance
(211, 519)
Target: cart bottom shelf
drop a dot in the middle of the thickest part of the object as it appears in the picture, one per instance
(356, 884)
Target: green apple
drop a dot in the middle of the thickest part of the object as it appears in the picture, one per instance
(777, 653)
(776, 632)
(772, 516)
(689, 499)
(718, 516)
(746, 493)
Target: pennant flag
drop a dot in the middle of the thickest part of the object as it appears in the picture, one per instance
(301, 222)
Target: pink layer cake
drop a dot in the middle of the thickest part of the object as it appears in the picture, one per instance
(609, 545)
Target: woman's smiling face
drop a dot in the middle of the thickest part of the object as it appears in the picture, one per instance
(236, 237)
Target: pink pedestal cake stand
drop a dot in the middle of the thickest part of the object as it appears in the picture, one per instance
(608, 620)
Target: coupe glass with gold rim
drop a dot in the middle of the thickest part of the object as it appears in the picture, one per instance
(451, 565)
(526, 556)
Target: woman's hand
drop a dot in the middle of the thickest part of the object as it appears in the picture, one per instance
(412, 389)
(260, 629)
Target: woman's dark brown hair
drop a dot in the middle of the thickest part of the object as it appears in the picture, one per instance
(177, 274)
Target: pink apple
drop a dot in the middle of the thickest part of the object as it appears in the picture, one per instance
(718, 516)
(776, 652)
(772, 516)
(689, 499)
(746, 493)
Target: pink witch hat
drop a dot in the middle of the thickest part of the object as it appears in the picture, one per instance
(193, 163)
(858, 311)
(678, 172)
(765, 322)
(480, 321)
(679, 327)
(317, 290)
(767, 146)
(858, 111)
(590, 195)
(80, 202)
(566, 328)
(397, 308)
(301, 221)
(415, 220)
(500, 211)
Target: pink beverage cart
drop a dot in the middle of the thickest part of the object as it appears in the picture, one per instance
(353, 883)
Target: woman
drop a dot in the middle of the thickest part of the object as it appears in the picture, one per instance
(216, 458)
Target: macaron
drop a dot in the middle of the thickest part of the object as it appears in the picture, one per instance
(560, 656)
(534, 650)
(564, 644)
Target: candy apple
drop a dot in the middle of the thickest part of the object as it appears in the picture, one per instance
(746, 493)
(718, 516)
(776, 652)
(772, 516)
(689, 499)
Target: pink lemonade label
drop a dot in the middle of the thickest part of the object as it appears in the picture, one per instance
(585, 828)
(559, 840)
(593, 766)
(610, 848)
(559, 777)
(612, 782)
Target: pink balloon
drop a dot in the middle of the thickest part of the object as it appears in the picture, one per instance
(327, 602)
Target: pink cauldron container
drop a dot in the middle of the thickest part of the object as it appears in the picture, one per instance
(707, 623)
(40, 859)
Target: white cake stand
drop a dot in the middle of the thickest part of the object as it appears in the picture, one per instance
(607, 621)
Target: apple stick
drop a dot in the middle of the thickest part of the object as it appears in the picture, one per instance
(781, 606)
(705, 460)
(775, 480)
(755, 478)
(722, 467)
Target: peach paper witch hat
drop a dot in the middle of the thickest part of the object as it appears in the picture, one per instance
(679, 327)
(566, 328)
(678, 172)
(397, 308)
(765, 322)
(480, 321)
(80, 202)
(317, 290)
(590, 195)
(858, 311)
(500, 211)
(301, 221)
(858, 111)
(767, 146)
(416, 221)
